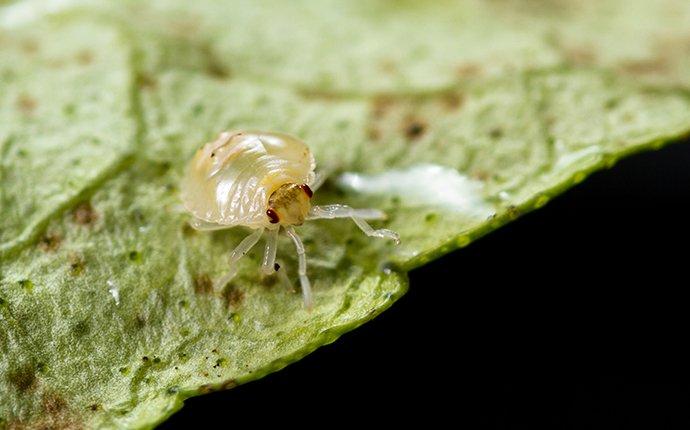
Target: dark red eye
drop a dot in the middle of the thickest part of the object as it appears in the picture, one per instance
(273, 216)
(307, 190)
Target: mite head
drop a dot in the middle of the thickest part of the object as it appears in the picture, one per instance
(289, 204)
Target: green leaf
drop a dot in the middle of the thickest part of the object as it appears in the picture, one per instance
(453, 118)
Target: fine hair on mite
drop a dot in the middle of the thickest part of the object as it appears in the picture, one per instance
(263, 181)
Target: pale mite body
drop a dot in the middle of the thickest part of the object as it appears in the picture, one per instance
(263, 181)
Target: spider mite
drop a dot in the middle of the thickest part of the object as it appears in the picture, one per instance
(263, 181)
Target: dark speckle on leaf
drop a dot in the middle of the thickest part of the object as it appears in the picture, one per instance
(81, 328)
(233, 296)
(197, 109)
(76, 264)
(26, 104)
(29, 46)
(140, 321)
(84, 214)
(50, 242)
(452, 101)
(134, 257)
(465, 71)
(203, 284)
(53, 404)
(146, 81)
(23, 378)
(496, 133)
(414, 128)
(381, 105)
(85, 57)
(27, 285)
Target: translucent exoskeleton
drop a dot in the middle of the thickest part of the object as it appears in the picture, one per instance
(264, 181)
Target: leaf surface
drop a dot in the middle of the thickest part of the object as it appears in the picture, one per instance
(107, 314)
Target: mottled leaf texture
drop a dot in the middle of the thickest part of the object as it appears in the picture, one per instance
(453, 117)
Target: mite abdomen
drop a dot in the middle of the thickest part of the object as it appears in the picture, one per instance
(229, 180)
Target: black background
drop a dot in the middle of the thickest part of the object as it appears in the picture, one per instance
(573, 316)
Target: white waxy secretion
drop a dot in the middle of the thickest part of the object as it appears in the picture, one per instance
(263, 181)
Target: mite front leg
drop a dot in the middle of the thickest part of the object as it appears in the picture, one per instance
(319, 179)
(303, 280)
(358, 216)
(268, 265)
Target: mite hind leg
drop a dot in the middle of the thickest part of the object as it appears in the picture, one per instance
(359, 216)
(240, 251)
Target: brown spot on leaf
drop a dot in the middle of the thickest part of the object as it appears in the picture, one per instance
(185, 25)
(496, 133)
(466, 71)
(481, 175)
(146, 81)
(81, 328)
(269, 280)
(84, 214)
(414, 127)
(29, 46)
(26, 104)
(230, 383)
(388, 66)
(23, 378)
(95, 407)
(50, 242)
(206, 388)
(203, 284)
(381, 105)
(84, 57)
(513, 211)
(628, 117)
(56, 415)
(214, 67)
(76, 264)
(452, 101)
(233, 296)
(374, 133)
(580, 55)
(645, 66)
(140, 323)
(53, 404)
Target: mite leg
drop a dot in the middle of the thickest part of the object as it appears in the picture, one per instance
(240, 251)
(201, 225)
(267, 267)
(303, 280)
(320, 178)
(358, 216)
